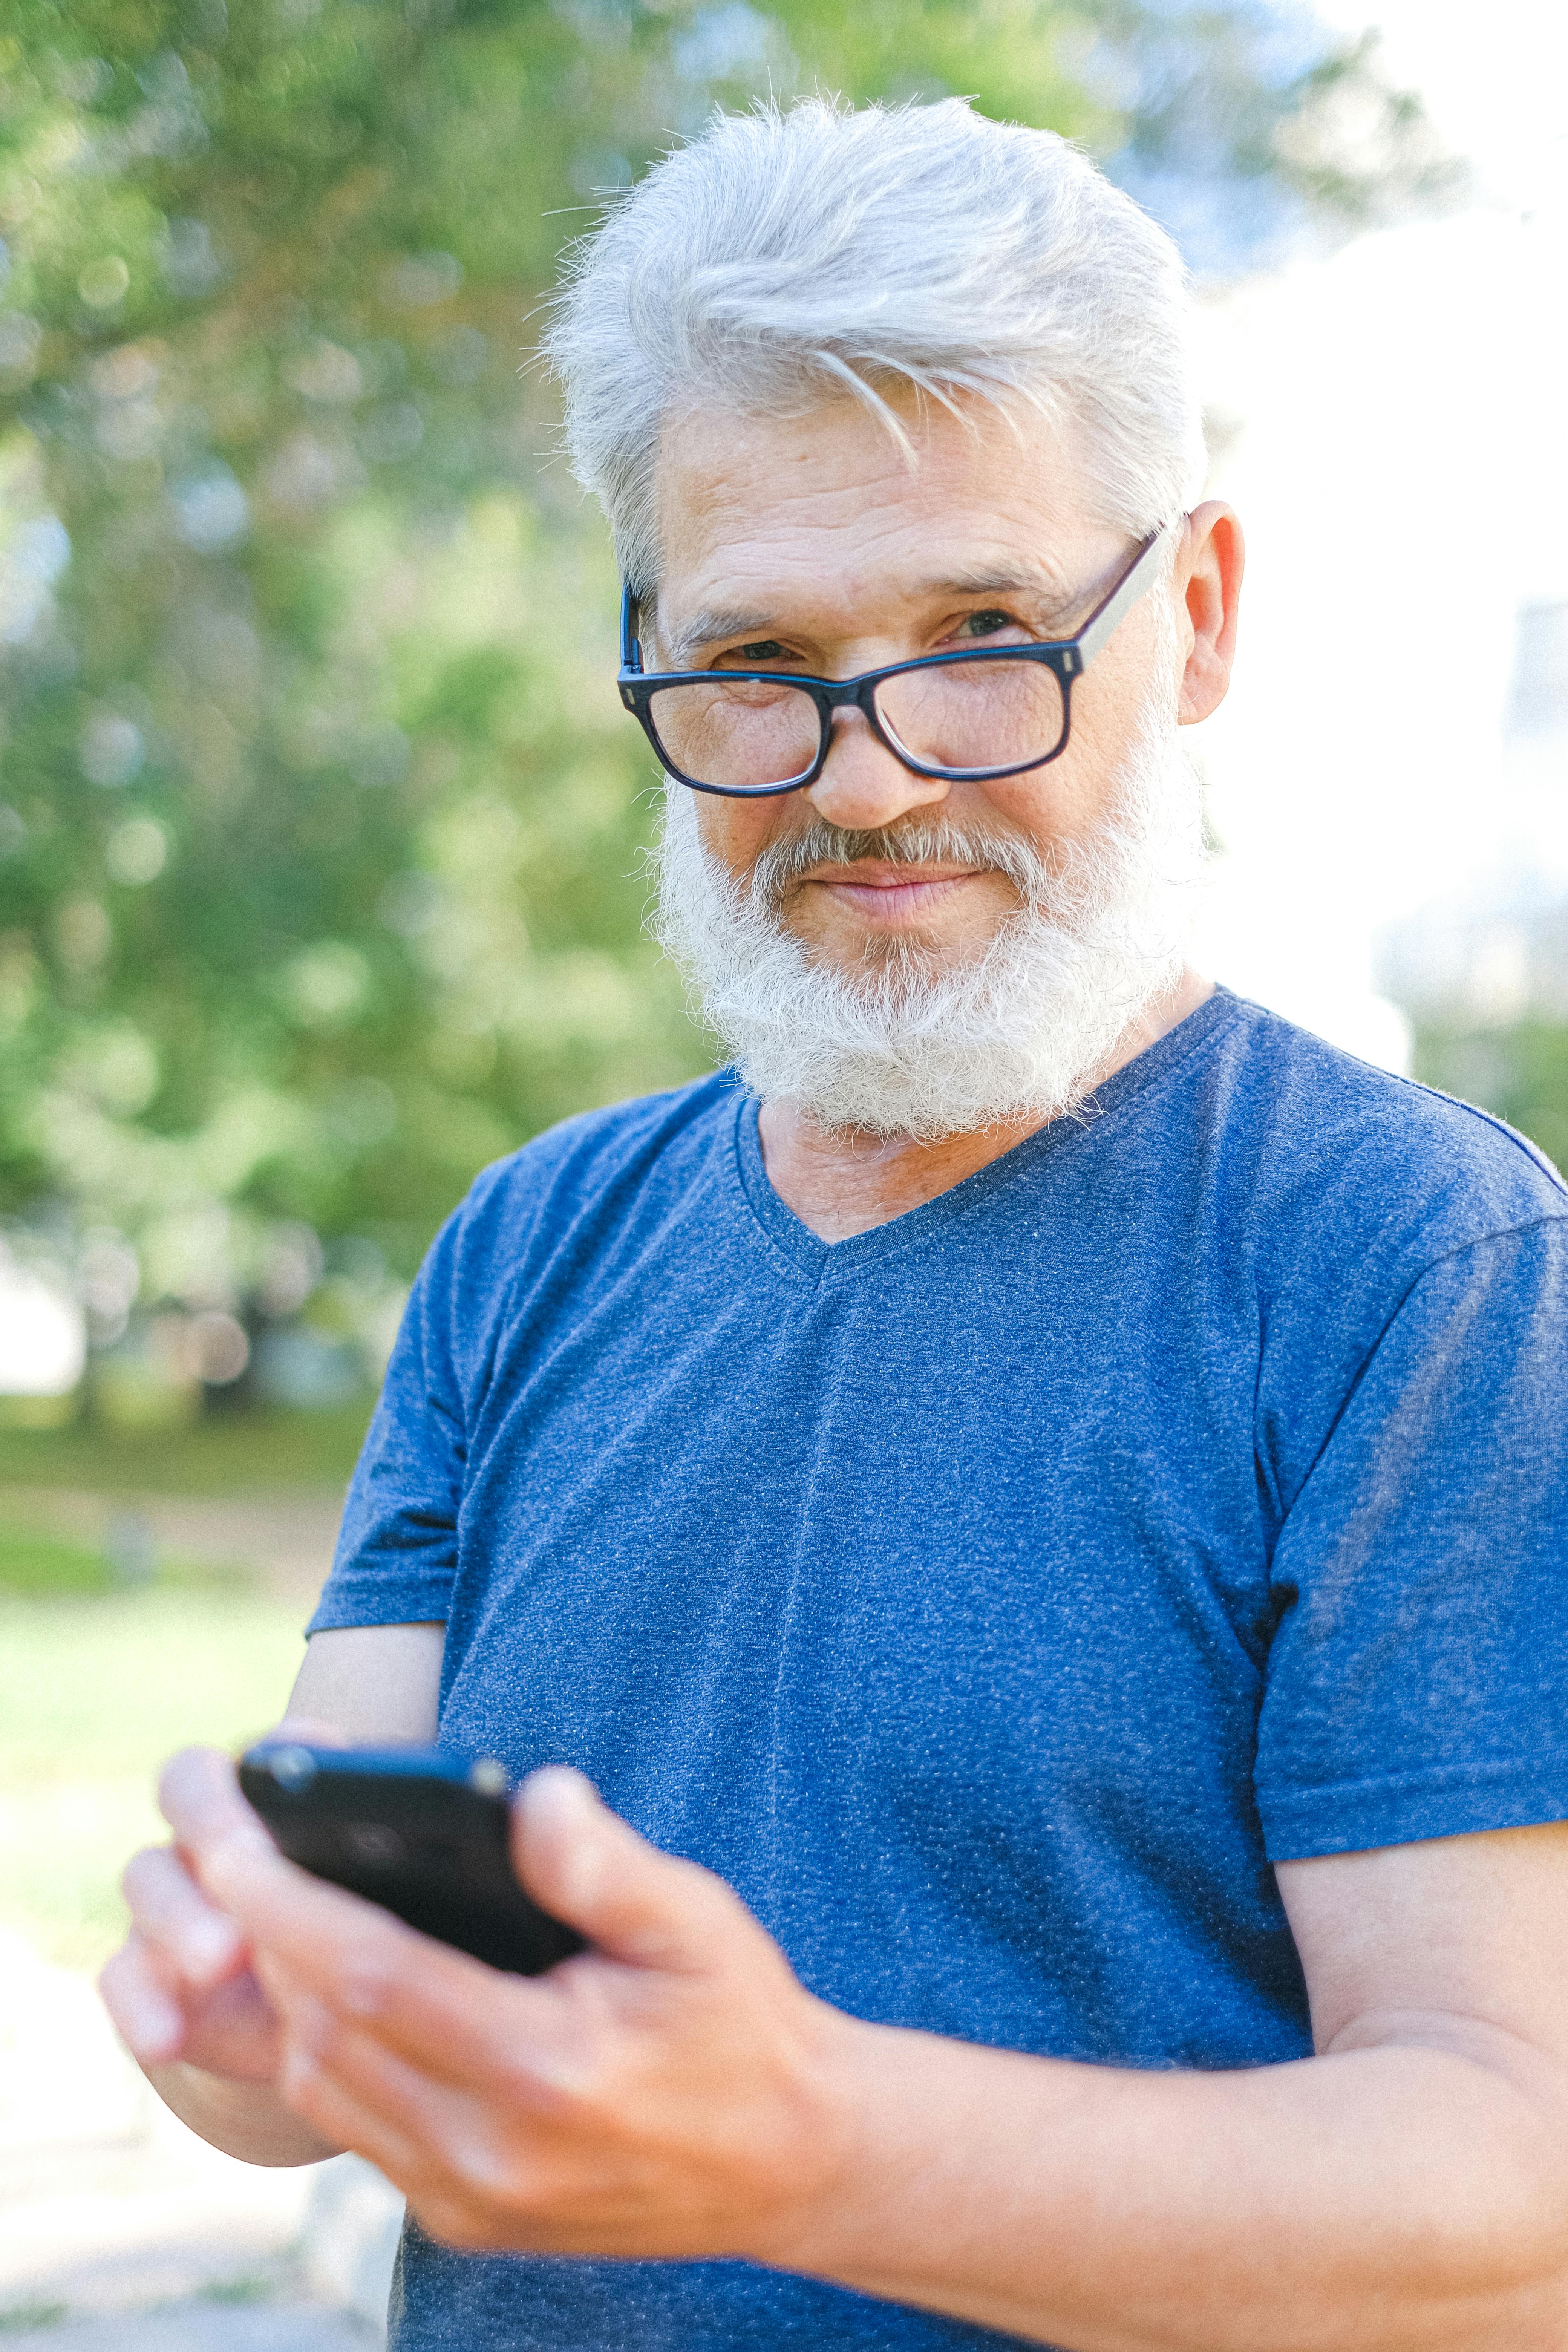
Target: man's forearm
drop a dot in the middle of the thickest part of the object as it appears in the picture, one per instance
(1397, 2199)
(244, 2119)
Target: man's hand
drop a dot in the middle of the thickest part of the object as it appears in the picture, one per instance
(676, 2092)
(181, 1988)
(668, 2092)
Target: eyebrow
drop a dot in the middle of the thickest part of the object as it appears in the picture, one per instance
(713, 627)
(1049, 594)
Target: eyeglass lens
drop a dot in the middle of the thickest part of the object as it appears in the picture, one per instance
(741, 734)
(744, 734)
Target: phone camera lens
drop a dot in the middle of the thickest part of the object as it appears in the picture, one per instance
(293, 1769)
(373, 1842)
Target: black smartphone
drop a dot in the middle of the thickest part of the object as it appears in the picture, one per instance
(424, 1832)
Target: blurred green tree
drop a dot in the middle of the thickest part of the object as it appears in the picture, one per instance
(1520, 1071)
(320, 826)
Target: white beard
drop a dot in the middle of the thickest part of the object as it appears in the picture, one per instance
(908, 1044)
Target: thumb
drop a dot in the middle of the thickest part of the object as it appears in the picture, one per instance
(585, 1865)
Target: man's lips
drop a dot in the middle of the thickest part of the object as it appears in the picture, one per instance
(894, 895)
(878, 887)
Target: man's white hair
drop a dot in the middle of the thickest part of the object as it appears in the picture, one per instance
(784, 256)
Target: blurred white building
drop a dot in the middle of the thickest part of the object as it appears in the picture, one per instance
(1496, 951)
(1390, 759)
(42, 1333)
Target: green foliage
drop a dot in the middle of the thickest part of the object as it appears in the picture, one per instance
(239, 2290)
(18, 2317)
(321, 831)
(1522, 1073)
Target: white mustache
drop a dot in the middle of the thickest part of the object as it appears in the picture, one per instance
(915, 842)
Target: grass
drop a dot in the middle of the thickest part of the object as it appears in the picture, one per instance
(100, 1682)
(33, 1561)
(263, 1451)
(95, 1691)
(39, 1563)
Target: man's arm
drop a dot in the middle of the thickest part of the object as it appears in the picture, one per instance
(675, 2091)
(181, 1989)
(372, 1682)
(1404, 2190)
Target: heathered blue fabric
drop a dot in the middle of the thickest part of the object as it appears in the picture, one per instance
(992, 1597)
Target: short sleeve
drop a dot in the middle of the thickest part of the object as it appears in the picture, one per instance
(1417, 1680)
(397, 1549)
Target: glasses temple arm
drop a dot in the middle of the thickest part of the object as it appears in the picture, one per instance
(1136, 582)
(631, 652)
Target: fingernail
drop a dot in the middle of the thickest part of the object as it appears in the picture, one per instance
(560, 1788)
(152, 2028)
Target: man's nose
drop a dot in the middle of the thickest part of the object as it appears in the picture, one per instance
(861, 785)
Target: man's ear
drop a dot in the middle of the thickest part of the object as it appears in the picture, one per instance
(1207, 579)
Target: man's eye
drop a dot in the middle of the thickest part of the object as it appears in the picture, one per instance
(766, 649)
(988, 625)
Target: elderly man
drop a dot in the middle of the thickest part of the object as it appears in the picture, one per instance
(1036, 1497)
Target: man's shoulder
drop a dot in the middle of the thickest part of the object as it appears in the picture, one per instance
(565, 1171)
(1341, 1140)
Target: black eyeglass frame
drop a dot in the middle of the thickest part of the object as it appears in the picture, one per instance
(1069, 656)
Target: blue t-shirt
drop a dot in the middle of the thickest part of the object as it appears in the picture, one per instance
(992, 1598)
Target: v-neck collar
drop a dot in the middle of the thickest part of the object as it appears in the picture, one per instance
(823, 1262)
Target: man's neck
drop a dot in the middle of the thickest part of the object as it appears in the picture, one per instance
(841, 1182)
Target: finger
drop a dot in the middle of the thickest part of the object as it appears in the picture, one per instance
(149, 2020)
(308, 1941)
(201, 1799)
(271, 1898)
(438, 2008)
(587, 1866)
(354, 2091)
(478, 2176)
(198, 1796)
(435, 2142)
(169, 1910)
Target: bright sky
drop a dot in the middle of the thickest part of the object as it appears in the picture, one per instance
(1401, 470)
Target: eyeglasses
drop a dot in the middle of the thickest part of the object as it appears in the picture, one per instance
(966, 717)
